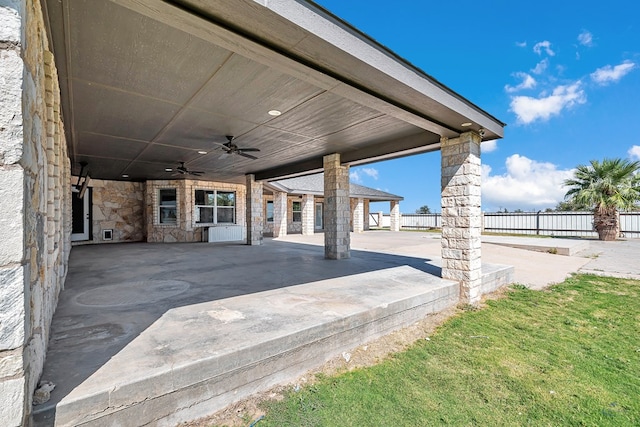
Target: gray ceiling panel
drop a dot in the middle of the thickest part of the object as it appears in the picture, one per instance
(99, 169)
(138, 54)
(106, 146)
(167, 155)
(376, 130)
(324, 115)
(111, 112)
(244, 88)
(198, 129)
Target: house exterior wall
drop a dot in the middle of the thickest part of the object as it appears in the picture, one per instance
(35, 208)
(292, 227)
(117, 206)
(186, 229)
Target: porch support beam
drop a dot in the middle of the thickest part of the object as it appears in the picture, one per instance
(255, 219)
(394, 206)
(461, 214)
(308, 207)
(279, 214)
(358, 216)
(366, 215)
(337, 244)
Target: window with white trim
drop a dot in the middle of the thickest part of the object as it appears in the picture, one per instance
(167, 206)
(215, 207)
(296, 208)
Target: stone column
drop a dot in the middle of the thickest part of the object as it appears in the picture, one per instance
(337, 244)
(35, 204)
(366, 215)
(308, 212)
(13, 271)
(279, 214)
(358, 216)
(255, 217)
(461, 214)
(395, 215)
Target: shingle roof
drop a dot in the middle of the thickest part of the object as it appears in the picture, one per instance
(314, 184)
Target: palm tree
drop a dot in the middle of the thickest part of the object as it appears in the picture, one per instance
(606, 188)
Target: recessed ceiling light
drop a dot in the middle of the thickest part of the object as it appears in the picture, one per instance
(125, 175)
(202, 152)
(467, 124)
(274, 113)
(168, 170)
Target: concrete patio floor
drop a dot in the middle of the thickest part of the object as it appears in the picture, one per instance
(161, 333)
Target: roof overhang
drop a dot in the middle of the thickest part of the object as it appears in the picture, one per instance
(148, 84)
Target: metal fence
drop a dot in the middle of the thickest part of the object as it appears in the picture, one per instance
(542, 223)
(564, 224)
(420, 221)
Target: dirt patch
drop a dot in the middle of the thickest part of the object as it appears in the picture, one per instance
(244, 412)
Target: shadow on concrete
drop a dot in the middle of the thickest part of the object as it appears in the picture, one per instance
(114, 292)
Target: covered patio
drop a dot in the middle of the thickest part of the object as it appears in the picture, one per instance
(163, 333)
(175, 114)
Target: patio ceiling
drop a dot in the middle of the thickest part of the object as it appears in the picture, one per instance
(147, 84)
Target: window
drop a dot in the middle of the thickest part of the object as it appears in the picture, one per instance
(215, 207)
(269, 210)
(297, 211)
(167, 206)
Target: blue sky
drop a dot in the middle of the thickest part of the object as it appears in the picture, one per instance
(564, 76)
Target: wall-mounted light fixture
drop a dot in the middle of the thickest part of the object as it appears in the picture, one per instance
(83, 179)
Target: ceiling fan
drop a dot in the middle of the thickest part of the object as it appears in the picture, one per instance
(230, 148)
(182, 170)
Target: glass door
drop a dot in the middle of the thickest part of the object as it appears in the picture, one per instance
(79, 215)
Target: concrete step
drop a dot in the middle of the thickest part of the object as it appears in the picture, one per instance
(197, 359)
(566, 247)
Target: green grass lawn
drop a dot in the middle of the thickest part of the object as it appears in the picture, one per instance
(567, 356)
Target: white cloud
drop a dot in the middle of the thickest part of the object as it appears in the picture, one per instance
(528, 82)
(356, 175)
(489, 146)
(546, 46)
(527, 185)
(540, 66)
(608, 74)
(634, 152)
(529, 109)
(585, 38)
(521, 44)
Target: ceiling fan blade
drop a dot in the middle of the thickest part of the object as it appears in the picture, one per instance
(248, 156)
(196, 172)
(248, 149)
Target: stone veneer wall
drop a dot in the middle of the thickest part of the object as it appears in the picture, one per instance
(186, 229)
(118, 206)
(35, 208)
(292, 227)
